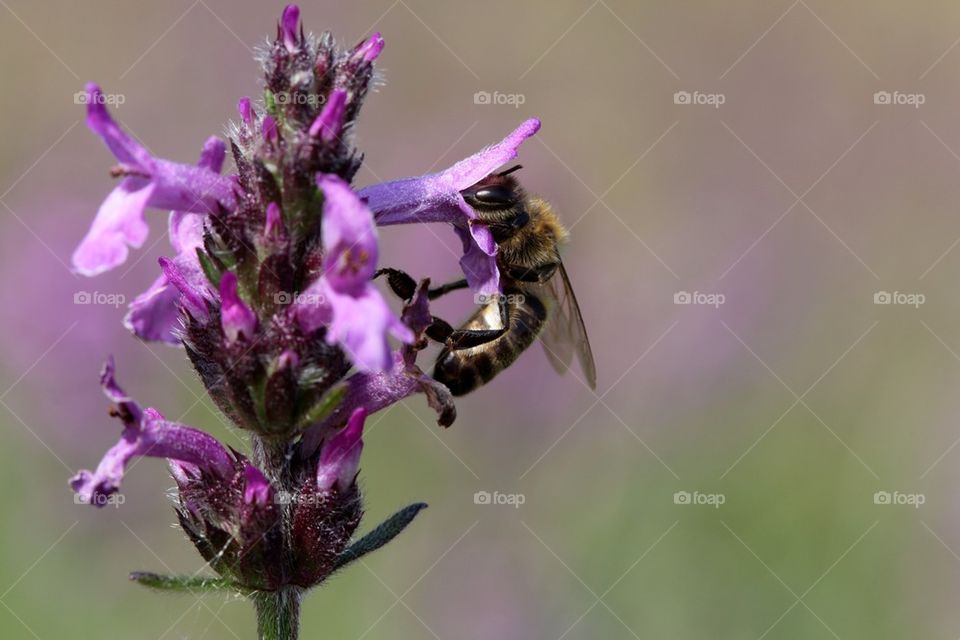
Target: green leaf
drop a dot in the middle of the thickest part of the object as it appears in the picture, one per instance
(326, 405)
(184, 584)
(209, 268)
(381, 535)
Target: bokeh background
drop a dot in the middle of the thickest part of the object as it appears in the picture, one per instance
(794, 402)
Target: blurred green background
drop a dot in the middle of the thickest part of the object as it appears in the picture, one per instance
(794, 402)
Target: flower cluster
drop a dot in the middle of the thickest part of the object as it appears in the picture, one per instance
(269, 291)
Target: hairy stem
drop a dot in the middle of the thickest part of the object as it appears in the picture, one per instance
(278, 614)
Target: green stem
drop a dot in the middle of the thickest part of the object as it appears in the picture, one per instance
(278, 614)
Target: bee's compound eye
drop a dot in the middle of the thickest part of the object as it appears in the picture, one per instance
(494, 196)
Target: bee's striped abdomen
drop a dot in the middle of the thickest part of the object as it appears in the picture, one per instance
(464, 370)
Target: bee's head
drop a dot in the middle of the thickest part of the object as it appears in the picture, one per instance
(496, 192)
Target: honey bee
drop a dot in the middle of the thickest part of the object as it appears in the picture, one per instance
(537, 299)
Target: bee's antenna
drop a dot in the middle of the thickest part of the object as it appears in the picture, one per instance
(516, 167)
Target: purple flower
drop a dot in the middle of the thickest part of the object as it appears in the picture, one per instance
(343, 299)
(147, 433)
(236, 318)
(372, 391)
(369, 50)
(340, 455)
(437, 198)
(329, 123)
(146, 182)
(154, 315)
(288, 27)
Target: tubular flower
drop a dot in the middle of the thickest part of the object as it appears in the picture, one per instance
(437, 197)
(145, 182)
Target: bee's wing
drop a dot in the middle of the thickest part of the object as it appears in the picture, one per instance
(565, 332)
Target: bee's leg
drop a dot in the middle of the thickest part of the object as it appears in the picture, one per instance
(436, 292)
(400, 282)
(469, 338)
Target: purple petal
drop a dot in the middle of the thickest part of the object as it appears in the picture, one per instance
(236, 318)
(269, 129)
(119, 223)
(186, 231)
(273, 229)
(478, 266)
(213, 154)
(340, 455)
(154, 315)
(187, 286)
(349, 236)
(289, 22)
(472, 170)
(121, 145)
(246, 111)
(360, 325)
(130, 411)
(146, 433)
(312, 308)
(370, 49)
(257, 489)
(329, 123)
